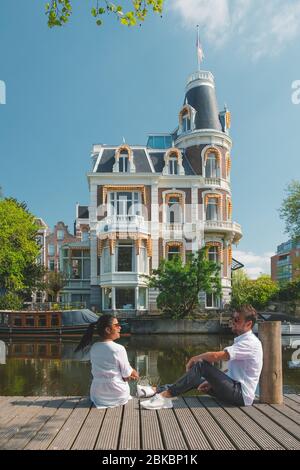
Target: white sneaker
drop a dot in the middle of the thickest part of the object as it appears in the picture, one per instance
(144, 391)
(157, 403)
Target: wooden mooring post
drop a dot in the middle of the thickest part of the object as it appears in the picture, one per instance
(270, 385)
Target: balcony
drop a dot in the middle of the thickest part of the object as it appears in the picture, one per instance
(220, 182)
(123, 223)
(221, 226)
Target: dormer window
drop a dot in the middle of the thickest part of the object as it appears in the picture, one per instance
(187, 119)
(173, 166)
(186, 122)
(124, 160)
(173, 162)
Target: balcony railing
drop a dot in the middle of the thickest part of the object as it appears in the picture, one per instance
(123, 223)
(226, 226)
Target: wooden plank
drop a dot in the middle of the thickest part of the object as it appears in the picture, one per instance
(289, 412)
(215, 435)
(234, 432)
(110, 430)
(193, 434)
(280, 419)
(259, 435)
(292, 404)
(48, 432)
(89, 431)
(275, 430)
(68, 433)
(19, 421)
(14, 408)
(130, 430)
(151, 435)
(27, 432)
(172, 436)
(294, 397)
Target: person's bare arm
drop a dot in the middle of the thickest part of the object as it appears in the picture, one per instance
(209, 357)
(133, 376)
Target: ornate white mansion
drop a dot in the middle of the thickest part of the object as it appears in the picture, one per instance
(170, 197)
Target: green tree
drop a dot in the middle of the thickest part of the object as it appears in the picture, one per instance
(60, 11)
(289, 291)
(290, 210)
(55, 281)
(18, 247)
(257, 292)
(179, 284)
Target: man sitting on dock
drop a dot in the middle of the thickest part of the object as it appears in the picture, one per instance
(238, 385)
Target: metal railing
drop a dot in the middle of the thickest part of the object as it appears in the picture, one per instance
(46, 306)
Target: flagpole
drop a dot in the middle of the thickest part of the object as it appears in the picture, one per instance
(198, 45)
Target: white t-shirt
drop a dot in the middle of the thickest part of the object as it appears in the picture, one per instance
(245, 364)
(109, 365)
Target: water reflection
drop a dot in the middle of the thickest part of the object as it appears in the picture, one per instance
(36, 367)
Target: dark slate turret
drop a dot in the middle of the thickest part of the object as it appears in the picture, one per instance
(201, 95)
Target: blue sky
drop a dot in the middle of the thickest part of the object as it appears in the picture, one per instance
(69, 88)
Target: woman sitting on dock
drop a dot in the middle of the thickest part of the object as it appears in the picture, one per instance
(110, 366)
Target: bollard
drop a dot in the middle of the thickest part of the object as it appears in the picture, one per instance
(270, 384)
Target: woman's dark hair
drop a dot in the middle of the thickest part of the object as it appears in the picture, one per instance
(105, 321)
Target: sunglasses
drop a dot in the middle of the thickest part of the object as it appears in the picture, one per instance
(116, 324)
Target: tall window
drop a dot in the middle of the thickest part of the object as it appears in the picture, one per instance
(212, 169)
(212, 209)
(60, 234)
(124, 258)
(174, 210)
(143, 260)
(212, 301)
(125, 203)
(173, 251)
(213, 254)
(78, 267)
(173, 166)
(186, 123)
(85, 236)
(51, 250)
(107, 298)
(123, 162)
(106, 260)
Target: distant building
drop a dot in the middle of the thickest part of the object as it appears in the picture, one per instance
(285, 265)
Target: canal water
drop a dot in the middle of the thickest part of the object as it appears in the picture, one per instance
(51, 368)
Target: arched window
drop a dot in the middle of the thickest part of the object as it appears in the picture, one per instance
(123, 162)
(213, 254)
(212, 167)
(173, 249)
(186, 122)
(173, 165)
(212, 207)
(173, 162)
(174, 210)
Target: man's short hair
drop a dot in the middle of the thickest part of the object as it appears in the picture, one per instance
(248, 313)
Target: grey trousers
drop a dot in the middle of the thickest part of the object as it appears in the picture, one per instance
(223, 387)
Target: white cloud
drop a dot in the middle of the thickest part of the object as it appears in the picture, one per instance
(255, 265)
(259, 27)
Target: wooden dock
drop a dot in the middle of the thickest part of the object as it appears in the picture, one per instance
(195, 423)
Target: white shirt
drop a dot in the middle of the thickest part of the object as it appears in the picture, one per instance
(109, 366)
(245, 364)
